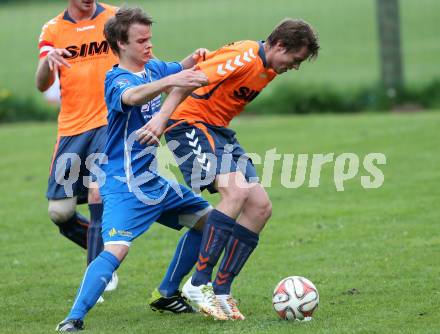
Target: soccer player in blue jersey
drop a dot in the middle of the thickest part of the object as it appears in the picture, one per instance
(133, 193)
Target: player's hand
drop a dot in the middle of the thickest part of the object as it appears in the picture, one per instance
(190, 78)
(151, 132)
(199, 54)
(55, 58)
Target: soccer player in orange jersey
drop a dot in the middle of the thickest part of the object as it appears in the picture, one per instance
(215, 160)
(72, 46)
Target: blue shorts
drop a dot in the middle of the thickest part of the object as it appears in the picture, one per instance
(203, 151)
(126, 217)
(68, 167)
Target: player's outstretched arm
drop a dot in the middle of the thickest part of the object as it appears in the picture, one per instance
(151, 132)
(194, 58)
(140, 95)
(48, 66)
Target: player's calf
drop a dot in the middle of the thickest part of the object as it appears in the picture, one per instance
(240, 246)
(216, 233)
(95, 244)
(96, 277)
(234, 192)
(257, 209)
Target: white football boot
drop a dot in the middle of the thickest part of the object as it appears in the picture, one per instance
(229, 307)
(203, 296)
(113, 284)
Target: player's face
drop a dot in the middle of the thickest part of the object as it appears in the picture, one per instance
(139, 46)
(83, 5)
(281, 61)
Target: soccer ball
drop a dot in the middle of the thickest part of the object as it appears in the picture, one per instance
(295, 298)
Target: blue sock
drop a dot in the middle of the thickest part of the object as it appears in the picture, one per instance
(96, 277)
(94, 237)
(240, 246)
(216, 233)
(183, 261)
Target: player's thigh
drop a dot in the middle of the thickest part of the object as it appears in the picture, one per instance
(237, 173)
(243, 162)
(98, 138)
(68, 168)
(94, 158)
(126, 217)
(182, 207)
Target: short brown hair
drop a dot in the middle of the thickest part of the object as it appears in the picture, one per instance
(116, 28)
(293, 35)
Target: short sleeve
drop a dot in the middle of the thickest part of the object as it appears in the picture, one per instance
(164, 68)
(46, 41)
(172, 67)
(114, 89)
(226, 63)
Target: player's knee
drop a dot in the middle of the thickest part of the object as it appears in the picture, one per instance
(93, 196)
(234, 188)
(118, 250)
(60, 211)
(265, 210)
(260, 206)
(236, 196)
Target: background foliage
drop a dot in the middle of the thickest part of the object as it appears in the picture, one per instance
(344, 77)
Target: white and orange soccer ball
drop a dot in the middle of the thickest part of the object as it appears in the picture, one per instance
(295, 298)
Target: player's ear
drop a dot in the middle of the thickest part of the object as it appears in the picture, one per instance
(121, 45)
(280, 47)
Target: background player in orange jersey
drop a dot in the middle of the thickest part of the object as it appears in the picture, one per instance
(217, 162)
(72, 46)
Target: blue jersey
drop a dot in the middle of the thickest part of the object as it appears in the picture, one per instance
(131, 167)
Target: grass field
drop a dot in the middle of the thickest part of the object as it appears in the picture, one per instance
(347, 29)
(373, 254)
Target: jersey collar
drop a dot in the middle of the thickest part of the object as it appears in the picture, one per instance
(99, 10)
(261, 53)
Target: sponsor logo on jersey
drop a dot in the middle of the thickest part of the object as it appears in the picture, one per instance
(246, 94)
(150, 108)
(122, 83)
(88, 49)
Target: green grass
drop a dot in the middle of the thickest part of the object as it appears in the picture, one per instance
(382, 242)
(347, 29)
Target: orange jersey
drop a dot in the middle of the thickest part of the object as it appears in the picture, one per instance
(82, 86)
(236, 74)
